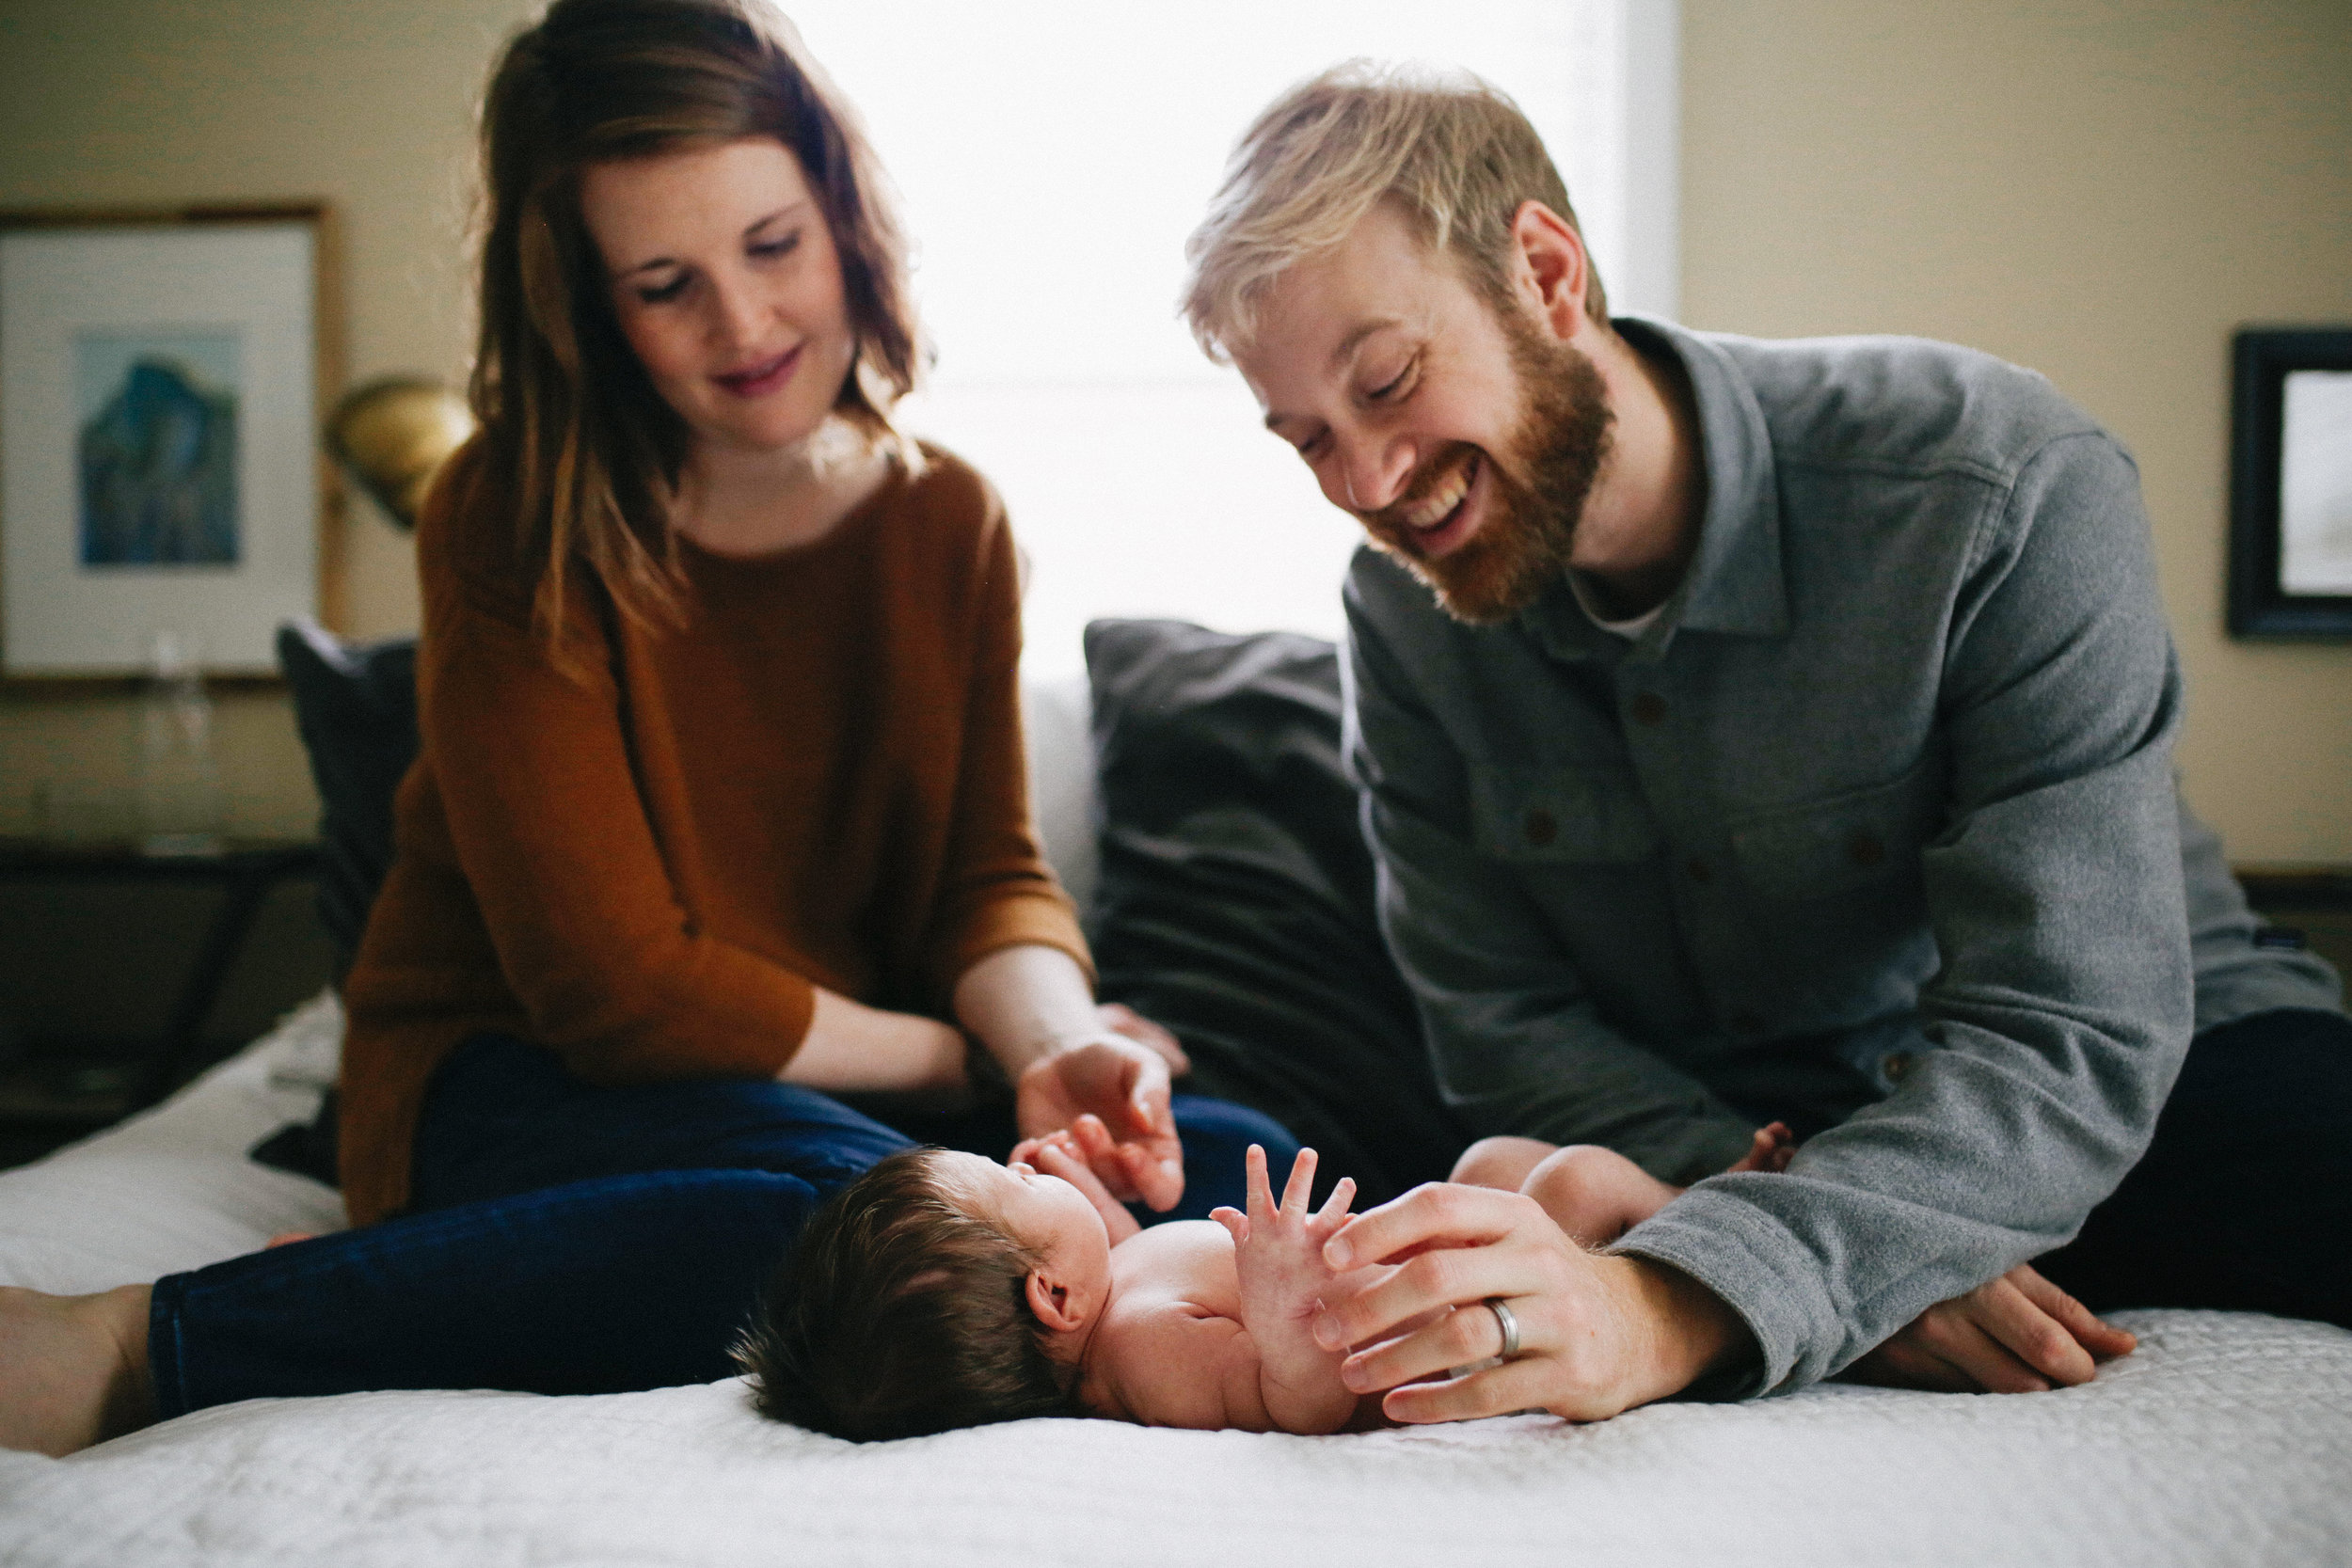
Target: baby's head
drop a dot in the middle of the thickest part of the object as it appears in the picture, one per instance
(937, 1291)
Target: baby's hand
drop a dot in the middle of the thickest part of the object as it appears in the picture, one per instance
(1063, 1153)
(1279, 1251)
(1771, 1149)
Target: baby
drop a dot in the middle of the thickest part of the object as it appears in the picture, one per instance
(943, 1290)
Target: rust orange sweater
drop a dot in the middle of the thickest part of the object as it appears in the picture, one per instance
(648, 864)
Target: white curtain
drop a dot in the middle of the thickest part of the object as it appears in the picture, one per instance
(1053, 156)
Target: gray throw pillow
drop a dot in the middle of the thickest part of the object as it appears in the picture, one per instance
(1234, 900)
(356, 706)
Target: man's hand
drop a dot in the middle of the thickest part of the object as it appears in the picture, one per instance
(1598, 1335)
(1111, 1093)
(1057, 1154)
(2015, 1335)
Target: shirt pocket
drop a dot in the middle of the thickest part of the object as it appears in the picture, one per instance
(1560, 816)
(1843, 843)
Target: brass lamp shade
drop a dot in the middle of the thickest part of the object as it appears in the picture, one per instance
(392, 434)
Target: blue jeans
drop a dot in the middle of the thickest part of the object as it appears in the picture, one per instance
(564, 1239)
(2243, 1200)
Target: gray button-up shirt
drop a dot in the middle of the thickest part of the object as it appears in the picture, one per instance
(1876, 821)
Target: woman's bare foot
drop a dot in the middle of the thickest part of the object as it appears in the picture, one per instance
(72, 1368)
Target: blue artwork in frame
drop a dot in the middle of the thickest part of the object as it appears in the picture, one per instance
(156, 441)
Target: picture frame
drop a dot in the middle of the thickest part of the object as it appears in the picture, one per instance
(163, 375)
(2291, 484)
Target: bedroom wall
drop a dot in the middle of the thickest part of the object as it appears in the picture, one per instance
(148, 102)
(2100, 190)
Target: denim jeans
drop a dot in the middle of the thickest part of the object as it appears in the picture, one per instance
(565, 1239)
(2243, 1200)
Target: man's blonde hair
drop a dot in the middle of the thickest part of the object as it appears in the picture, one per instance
(1454, 152)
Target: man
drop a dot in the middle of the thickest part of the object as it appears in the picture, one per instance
(1757, 730)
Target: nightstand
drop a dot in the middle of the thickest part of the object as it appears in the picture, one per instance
(146, 943)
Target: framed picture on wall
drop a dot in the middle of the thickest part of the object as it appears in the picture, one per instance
(161, 382)
(2291, 484)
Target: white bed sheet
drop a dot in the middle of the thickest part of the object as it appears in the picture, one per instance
(2227, 1438)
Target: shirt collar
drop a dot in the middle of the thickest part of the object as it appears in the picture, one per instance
(1735, 583)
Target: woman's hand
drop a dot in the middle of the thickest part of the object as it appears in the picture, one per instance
(1070, 1060)
(1598, 1335)
(2015, 1335)
(1055, 1154)
(1111, 1093)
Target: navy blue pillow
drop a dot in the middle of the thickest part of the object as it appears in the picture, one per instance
(356, 706)
(1234, 903)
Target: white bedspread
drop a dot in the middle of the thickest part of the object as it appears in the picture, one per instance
(2225, 1439)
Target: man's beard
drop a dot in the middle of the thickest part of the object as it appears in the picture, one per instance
(1521, 549)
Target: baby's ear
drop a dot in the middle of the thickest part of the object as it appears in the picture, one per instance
(1056, 1305)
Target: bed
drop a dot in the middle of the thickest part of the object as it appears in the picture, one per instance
(2226, 1438)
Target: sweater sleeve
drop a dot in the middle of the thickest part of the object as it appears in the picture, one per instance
(549, 831)
(995, 890)
(2063, 1005)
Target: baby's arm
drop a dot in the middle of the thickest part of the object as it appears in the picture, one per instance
(1279, 1253)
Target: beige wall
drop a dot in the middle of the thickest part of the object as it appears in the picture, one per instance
(2102, 191)
(137, 103)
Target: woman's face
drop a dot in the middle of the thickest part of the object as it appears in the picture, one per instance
(725, 281)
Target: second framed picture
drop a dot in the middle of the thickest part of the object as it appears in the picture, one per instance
(160, 376)
(2291, 484)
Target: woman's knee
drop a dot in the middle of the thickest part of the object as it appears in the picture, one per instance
(1224, 1125)
(1216, 1135)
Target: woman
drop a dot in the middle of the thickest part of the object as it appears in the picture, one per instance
(720, 811)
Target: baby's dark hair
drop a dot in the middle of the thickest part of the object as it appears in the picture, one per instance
(898, 1314)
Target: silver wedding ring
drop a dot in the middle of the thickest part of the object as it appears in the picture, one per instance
(1509, 1324)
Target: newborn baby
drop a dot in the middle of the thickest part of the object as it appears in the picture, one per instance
(943, 1290)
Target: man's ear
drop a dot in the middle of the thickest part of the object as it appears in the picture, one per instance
(1057, 1306)
(1553, 271)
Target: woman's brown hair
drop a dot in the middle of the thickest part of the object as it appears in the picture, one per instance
(573, 430)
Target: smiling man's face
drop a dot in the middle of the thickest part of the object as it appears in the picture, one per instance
(1464, 438)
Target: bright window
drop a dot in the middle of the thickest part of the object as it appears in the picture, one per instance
(1053, 155)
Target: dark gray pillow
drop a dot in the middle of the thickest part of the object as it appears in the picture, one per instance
(1234, 902)
(356, 706)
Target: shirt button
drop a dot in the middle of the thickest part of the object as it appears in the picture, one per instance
(1898, 1066)
(1540, 827)
(1649, 707)
(1866, 848)
(1700, 871)
(1747, 1022)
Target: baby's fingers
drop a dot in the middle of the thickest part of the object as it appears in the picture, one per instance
(1236, 1224)
(1094, 1139)
(1334, 1210)
(1260, 1191)
(1301, 1185)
